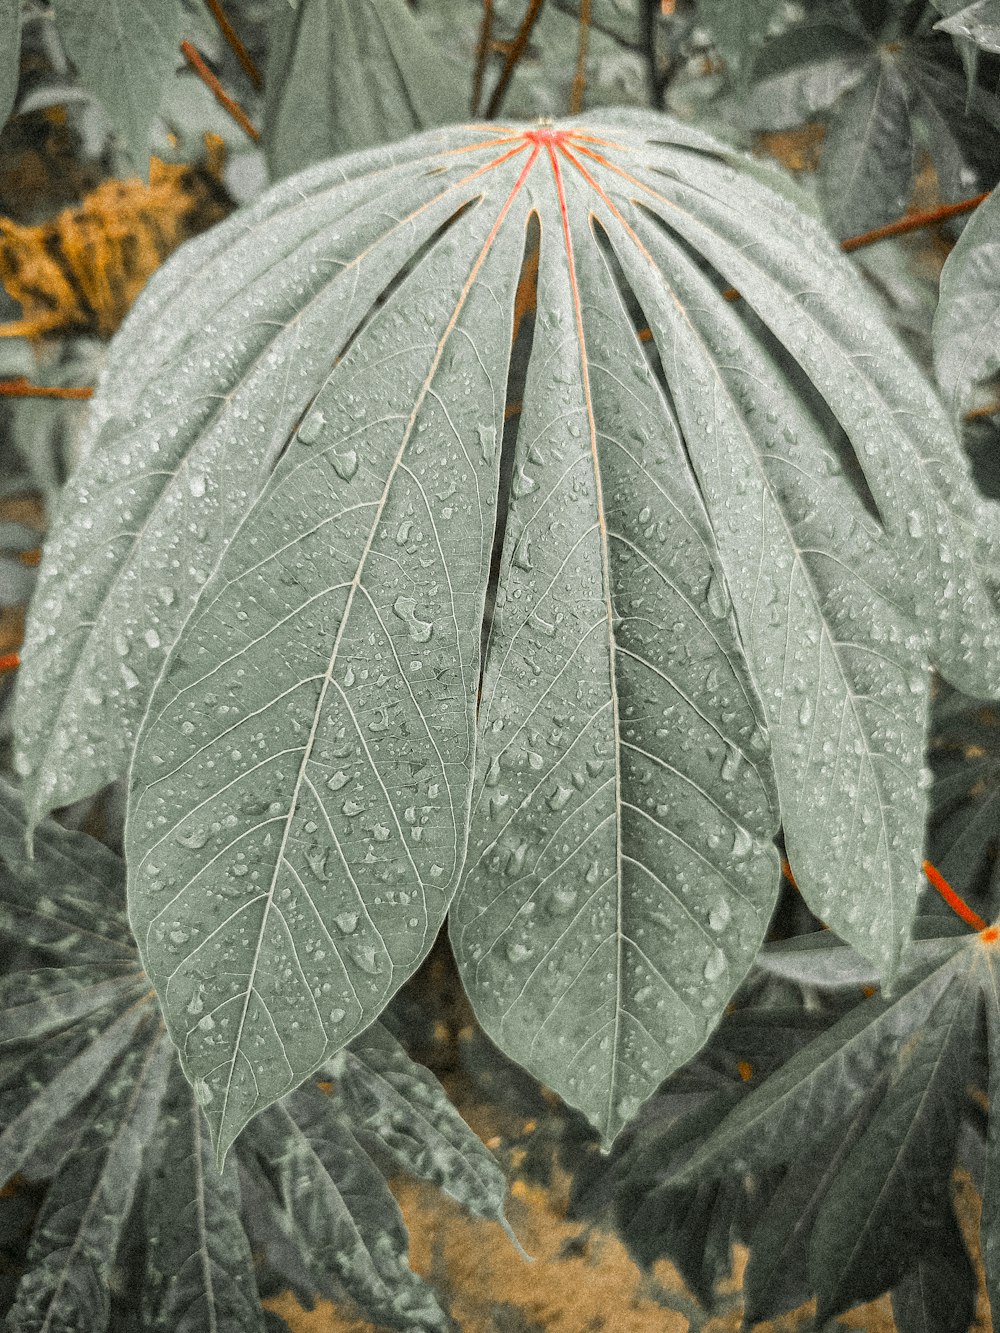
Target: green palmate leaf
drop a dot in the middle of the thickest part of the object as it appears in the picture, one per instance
(124, 54)
(890, 1199)
(750, 525)
(867, 168)
(348, 1224)
(967, 323)
(79, 1230)
(200, 1269)
(799, 1106)
(348, 74)
(10, 53)
(979, 22)
(397, 1107)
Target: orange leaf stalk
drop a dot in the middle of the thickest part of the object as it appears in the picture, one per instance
(956, 904)
(197, 63)
(10, 661)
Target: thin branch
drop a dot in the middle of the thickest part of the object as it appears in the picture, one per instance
(514, 53)
(232, 37)
(580, 77)
(956, 904)
(482, 53)
(990, 410)
(23, 388)
(197, 63)
(914, 222)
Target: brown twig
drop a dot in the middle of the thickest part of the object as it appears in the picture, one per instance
(197, 63)
(23, 388)
(482, 53)
(232, 37)
(913, 222)
(580, 77)
(514, 53)
(990, 410)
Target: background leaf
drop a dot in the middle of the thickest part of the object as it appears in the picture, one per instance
(348, 74)
(867, 168)
(124, 53)
(967, 323)
(10, 53)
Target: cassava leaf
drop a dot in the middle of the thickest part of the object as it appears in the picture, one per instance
(32, 1005)
(938, 1295)
(69, 899)
(58, 1096)
(124, 54)
(348, 74)
(967, 322)
(979, 22)
(777, 1276)
(867, 168)
(796, 1108)
(101, 1106)
(10, 55)
(397, 1107)
(80, 1227)
(890, 1200)
(349, 1225)
(199, 1266)
(752, 524)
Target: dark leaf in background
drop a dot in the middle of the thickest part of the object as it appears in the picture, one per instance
(199, 1266)
(348, 1224)
(890, 1201)
(866, 171)
(801, 73)
(938, 1295)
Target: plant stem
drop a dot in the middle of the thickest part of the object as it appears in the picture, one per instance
(913, 222)
(580, 77)
(23, 388)
(232, 37)
(956, 904)
(514, 53)
(482, 52)
(197, 63)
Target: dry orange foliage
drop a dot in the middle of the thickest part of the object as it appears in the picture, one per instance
(798, 149)
(80, 271)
